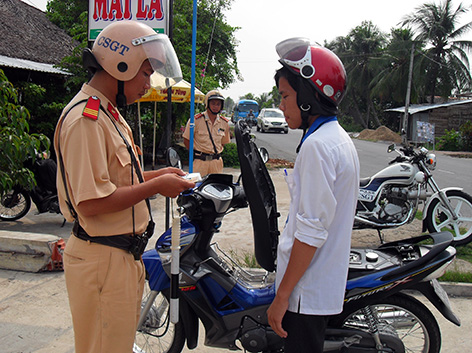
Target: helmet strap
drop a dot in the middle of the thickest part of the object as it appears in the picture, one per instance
(120, 96)
(311, 102)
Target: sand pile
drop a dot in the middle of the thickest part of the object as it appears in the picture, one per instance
(382, 133)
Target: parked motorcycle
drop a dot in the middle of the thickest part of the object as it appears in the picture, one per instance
(231, 302)
(390, 198)
(16, 203)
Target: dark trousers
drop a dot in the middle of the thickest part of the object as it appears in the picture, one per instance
(305, 332)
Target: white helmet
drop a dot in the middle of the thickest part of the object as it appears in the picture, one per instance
(214, 95)
(122, 47)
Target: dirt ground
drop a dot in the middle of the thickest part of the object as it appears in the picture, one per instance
(34, 312)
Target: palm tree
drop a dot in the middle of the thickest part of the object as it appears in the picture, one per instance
(445, 56)
(390, 84)
(360, 52)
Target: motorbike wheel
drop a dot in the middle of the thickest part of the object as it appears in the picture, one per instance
(439, 218)
(403, 316)
(14, 205)
(157, 333)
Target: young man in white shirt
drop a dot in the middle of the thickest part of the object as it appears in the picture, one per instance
(313, 251)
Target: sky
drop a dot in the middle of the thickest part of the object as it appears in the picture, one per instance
(264, 23)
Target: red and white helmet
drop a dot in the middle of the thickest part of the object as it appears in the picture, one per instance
(319, 65)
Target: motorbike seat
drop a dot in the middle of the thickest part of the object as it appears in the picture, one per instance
(364, 181)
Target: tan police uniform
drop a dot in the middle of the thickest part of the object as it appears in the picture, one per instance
(205, 161)
(104, 283)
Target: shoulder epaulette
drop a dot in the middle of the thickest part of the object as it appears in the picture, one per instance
(199, 115)
(92, 108)
(224, 118)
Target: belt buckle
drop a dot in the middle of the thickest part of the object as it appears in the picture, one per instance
(208, 157)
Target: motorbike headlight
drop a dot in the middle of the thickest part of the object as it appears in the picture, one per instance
(431, 161)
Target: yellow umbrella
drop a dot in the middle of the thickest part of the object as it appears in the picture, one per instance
(181, 93)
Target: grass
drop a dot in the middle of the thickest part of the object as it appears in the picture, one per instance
(464, 252)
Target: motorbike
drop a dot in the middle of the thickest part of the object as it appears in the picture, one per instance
(391, 197)
(16, 203)
(231, 301)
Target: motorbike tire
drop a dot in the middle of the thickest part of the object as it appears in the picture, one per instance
(439, 219)
(158, 335)
(401, 315)
(14, 205)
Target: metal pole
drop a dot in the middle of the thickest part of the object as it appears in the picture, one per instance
(169, 105)
(192, 91)
(404, 131)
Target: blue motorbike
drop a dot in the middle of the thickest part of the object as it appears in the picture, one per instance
(380, 312)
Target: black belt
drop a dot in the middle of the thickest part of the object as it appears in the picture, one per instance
(133, 244)
(206, 156)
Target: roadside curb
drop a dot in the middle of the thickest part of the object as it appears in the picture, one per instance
(455, 289)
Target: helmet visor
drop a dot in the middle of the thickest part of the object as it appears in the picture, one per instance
(164, 61)
(295, 53)
(293, 49)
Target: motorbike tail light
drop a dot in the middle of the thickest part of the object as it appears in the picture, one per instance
(431, 161)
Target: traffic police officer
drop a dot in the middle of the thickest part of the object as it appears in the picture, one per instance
(103, 189)
(211, 133)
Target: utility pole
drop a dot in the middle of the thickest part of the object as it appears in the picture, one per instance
(404, 129)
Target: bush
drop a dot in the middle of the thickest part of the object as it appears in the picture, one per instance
(230, 155)
(450, 141)
(466, 136)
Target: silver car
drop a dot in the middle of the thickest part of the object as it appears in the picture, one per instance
(271, 119)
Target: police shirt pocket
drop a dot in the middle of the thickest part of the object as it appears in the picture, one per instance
(120, 173)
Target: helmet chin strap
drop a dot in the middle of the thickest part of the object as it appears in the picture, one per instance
(120, 96)
(304, 125)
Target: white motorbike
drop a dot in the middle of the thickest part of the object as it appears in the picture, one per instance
(391, 197)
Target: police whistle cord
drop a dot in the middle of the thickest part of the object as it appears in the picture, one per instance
(174, 269)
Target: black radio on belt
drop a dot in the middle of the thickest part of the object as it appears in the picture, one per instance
(140, 241)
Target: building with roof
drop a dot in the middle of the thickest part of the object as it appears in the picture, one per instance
(31, 45)
(441, 116)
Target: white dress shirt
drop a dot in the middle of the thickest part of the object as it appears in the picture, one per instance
(323, 186)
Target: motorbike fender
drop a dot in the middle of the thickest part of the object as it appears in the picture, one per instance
(428, 203)
(427, 289)
(190, 321)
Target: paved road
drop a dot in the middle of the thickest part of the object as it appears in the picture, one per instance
(373, 157)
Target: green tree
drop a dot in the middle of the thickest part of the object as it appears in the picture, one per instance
(17, 145)
(263, 100)
(445, 57)
(216, 62)
(229, 105)
(390, 84)
(275, 96)
(360, 52)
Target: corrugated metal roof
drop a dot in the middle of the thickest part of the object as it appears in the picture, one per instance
(30, 65)
(417, 108)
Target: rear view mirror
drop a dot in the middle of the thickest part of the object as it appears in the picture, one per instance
(173, 158)
(391, 148)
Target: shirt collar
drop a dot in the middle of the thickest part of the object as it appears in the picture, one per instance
(317, 123)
